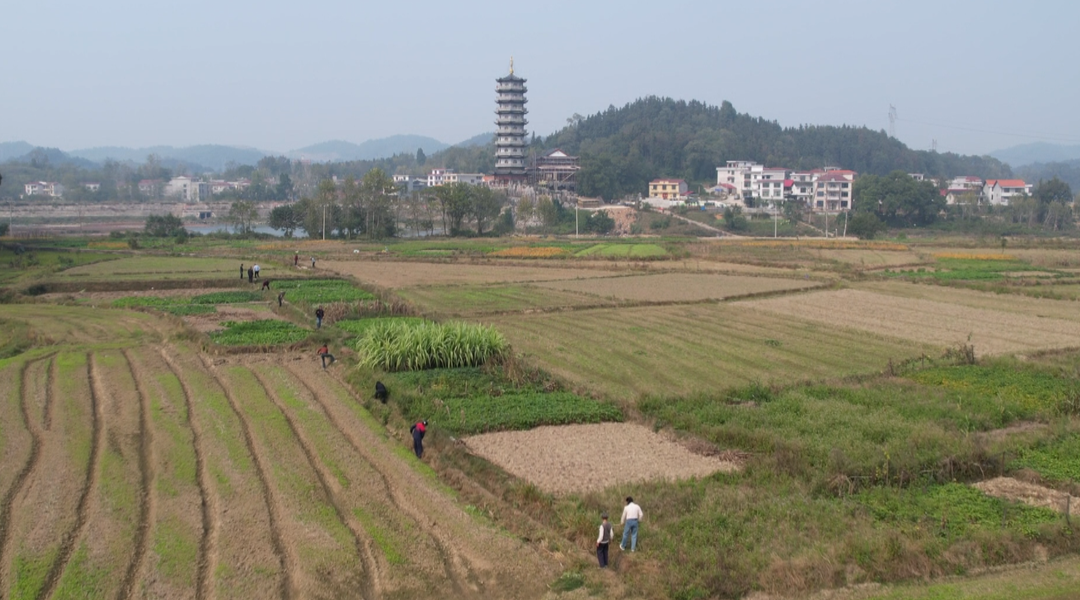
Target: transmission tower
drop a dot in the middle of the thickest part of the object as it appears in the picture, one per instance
(892, 121)
(933, 145)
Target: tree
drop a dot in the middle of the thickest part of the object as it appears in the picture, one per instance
(242, 215)
(3, 229)
(526, 211)
(284, 188)
(421, 158)
(167, 225)
(286, 218)
(734, 219)
(485, 206)
(455, 200)
(600, 222)
(548, 211)
(897, 199)
(865, 225)
(379, 191)
(1054, 190)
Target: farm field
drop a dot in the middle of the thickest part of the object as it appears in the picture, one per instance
(937, 323)
(676, 350)
(1036, 307)
(137, 467)
(160, 267)
(409, 274)
(584, 458)
(678, 287)
(473, 300)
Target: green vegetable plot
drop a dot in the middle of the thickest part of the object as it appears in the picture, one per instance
(259, 333)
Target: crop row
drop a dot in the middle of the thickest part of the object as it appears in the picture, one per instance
(314, 291)
(264, 332)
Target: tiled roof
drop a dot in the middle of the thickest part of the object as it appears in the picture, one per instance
(1006, 182)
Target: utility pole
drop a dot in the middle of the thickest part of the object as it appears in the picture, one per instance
(324, 222)
(826, 213)
(892, 121)
(576, 234)
(775, 215)
(845, 223)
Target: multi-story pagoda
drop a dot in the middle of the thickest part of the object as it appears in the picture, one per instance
(510, 133)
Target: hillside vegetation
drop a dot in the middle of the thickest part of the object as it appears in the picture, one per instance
(622, 149)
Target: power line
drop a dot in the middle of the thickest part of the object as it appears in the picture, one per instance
(977, 130)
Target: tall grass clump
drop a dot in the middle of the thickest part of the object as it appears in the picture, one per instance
(395, 345)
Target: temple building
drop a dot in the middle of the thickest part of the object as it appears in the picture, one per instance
(510, 133)
(556, 170)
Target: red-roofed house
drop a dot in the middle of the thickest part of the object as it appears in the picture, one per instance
(668, 189)
(997, 192)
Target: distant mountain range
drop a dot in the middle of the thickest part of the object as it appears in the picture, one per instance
(1037, 152)
(214, 157)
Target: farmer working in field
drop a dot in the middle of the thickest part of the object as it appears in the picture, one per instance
(265, 285)
(256, 267)
(418, 430)
(319, 314)
(251, 275)
(324, 353)
(280, 298)
(603, 541)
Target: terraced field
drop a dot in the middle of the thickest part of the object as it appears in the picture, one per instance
(135, 467)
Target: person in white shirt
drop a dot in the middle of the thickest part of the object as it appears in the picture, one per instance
(603, 541)
(631, 514)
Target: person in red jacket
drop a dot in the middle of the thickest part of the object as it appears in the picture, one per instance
(324, 353)
(418, 430)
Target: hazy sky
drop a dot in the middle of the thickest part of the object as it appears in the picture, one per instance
(975, 75)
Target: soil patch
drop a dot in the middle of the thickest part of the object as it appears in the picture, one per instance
(227, 312)
(997, 435)
(582, 458)
(407, 274)
(1028, 493)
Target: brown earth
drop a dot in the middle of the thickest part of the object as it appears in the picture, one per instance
(927, 321)
(679, 287)
(582, 458)
(407, 274)
(1029, 493)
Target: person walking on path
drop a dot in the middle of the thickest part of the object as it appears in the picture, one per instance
(251, 275)
(603, 541)
(324, 353)
(319, 314)
(418, 430)
(241, 271)
(256, 267)
(296, 260)
(631, 514)
(280, 297)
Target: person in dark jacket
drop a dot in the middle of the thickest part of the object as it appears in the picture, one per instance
(241, 271)
(251, 275)
(380, 392)
(319, 314)
(418, 432)
(603, 541)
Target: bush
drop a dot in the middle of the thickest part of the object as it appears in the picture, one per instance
(397, 346)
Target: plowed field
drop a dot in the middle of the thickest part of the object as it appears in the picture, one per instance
(135, 467)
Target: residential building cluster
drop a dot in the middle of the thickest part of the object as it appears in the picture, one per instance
(994, 192)
(44, 188)
(826, 189)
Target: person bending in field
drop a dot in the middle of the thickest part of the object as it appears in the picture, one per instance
(324, 353)
(265, 285)
(380, 392)
(418, 430)
(319, 314)
(296, 260)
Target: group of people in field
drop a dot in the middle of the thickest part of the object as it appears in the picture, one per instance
(631, 514)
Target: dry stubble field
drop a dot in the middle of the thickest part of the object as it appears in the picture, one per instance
(679, 287)
(934, 322)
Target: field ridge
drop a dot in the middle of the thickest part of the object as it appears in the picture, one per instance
(207, 555)
(360, 540)
(82, 509)
(287, 585)
(146, 498)
(23, 474)
(453, 563)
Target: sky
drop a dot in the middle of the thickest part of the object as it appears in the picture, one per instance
(976, 76)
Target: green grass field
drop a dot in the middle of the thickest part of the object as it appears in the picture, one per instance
(677, 350)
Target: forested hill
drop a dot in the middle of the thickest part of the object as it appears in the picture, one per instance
(622, 149)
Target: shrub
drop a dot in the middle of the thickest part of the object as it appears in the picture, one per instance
(396, 346)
